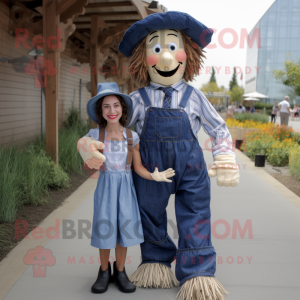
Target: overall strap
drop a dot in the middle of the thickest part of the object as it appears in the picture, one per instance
(129, 155)
(186, 96)
(145, 96)
(129, 142)
(101, 137)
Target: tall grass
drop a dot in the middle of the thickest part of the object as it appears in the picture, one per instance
(28, 174)
(75, 128)
(25, 177)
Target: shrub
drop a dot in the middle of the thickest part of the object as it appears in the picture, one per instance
(258, 105)
(254, 145)
(75, 128)
(275, 142)
(263, 118)
(27, 174)
(25, 177)
(278, 154)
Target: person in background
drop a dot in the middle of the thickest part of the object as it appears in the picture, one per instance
(240, 109)
(274, 112)
(284, 109)
(252, 109)
(231, 108)
(296, 110)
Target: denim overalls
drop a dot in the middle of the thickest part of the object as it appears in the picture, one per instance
(167, 141)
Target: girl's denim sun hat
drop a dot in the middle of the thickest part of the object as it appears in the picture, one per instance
(105, 89)
(197, 31)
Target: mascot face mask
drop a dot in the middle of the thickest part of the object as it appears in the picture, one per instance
(166, 58)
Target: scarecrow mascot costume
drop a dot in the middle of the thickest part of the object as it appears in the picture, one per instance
(165, 51)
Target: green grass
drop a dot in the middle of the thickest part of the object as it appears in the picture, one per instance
(294, 162)
(28, 174)
(264, 118)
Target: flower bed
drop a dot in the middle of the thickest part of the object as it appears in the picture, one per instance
(276, 142)
(239, 129)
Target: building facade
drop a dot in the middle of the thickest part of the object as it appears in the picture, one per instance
(87, 34)
(279, 30)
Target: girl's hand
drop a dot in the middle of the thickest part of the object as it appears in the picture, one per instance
(162, 176)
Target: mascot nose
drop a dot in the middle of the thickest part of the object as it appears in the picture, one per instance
(167, 58)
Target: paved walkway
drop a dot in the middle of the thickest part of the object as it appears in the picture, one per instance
(295, 124)
(262, 264)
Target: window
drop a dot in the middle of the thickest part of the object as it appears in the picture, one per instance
(272, 19)
(283, 5)
(283, 18)
(296, 5)
(294, 32)
(263, 44)
(283, 32)
(281, 57)
(293, 44)
(264, 21)
(270, 44)
(277, 44)
(271, 32)
(261, 82)
(263, 32)
(261, 58)
(282, 45)
(271, 55)
(295, 19)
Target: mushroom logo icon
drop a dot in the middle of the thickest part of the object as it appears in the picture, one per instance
(40, 68)
(39, 258)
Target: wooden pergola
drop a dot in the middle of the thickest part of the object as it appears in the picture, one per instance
(95, 27)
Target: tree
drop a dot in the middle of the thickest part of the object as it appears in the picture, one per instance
(213, 76)
(291, 76)
(233, 81)
(209, 87)
(236, 93)
(222, 88)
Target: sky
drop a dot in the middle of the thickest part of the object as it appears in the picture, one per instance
(221, 14)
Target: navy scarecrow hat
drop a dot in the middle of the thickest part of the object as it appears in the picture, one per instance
(197, 31)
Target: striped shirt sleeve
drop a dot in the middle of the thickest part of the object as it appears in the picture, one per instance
(214, 125)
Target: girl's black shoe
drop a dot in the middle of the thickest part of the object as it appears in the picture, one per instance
(103, 280)
(122, 281)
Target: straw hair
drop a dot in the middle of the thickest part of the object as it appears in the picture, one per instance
(138, 61)
(154, 275)
(202, 288)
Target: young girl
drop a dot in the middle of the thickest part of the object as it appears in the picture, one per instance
(116, 220)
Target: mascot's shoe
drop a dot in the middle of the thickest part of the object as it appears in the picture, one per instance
(154, 275)
(202, 288)
(122, 281)
(103, 280)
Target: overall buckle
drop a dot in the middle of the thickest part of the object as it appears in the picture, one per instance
(128, 168)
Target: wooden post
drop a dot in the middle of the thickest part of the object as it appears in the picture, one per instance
(94, 57)
(51, 61)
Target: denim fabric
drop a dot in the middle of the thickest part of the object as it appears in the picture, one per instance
(116, 217)
(167, 141)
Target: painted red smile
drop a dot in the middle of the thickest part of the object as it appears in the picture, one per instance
(112, 116)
